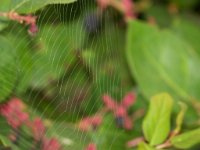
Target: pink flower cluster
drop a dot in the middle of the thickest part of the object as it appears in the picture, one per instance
(14, 112)
(121, 110)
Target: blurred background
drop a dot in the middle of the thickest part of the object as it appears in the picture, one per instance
(59, 59)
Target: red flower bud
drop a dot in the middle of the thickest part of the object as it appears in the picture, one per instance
(103, 3)
(128, 8)
(38, 129)
(91, 146)
(109, 102)
(129, 99)
(51, 144)
(90, 122)
(33, 29)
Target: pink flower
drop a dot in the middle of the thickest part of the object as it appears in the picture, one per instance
(38, 128)
(91, 146)
(51, 144)
(13, 112)
(103, 3)
(120, 110)
(28, 20)
(129, 99)
(109, 102)
(89, 123)
(33, 29)
(128, 8)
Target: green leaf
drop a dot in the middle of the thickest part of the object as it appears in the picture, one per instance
(144, 146)
(161, 14)
(28, 6)
(23, 56)
(4, 142)
(186, 140)
(156, 125)
(3, 25)
(180, 117)
(189, 31)
(8, 69)
(165, 64)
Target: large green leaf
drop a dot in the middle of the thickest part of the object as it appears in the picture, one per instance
(28, 6)
(186, 140)
(162, 62)
(156, 125)
(189, 31)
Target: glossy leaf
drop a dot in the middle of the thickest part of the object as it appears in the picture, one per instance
(156, 125)
(160, 61)
(186, 140)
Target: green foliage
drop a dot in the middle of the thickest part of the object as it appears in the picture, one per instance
(156, 125)
(8, 68)
(180, 117)
(166, 64)
(187, 139)
(62, 71)
(144, 146)
(29, 6)
(70, 137)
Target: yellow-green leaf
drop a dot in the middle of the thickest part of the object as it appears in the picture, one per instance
(144, 146)
(186, 140)
(156, 125)
(180, 117)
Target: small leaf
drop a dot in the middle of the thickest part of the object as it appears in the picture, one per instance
(186, 140)
(144, 146)
(156, 125)
(180, 117)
